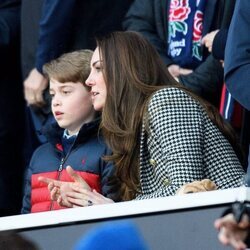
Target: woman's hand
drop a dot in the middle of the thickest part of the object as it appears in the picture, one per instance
(197, 186)
(81, 197)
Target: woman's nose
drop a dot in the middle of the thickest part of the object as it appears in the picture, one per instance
(89, 81)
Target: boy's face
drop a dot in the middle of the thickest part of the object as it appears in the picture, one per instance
(96, 82)
(71, 105)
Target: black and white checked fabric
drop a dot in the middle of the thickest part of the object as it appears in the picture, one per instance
(183, 145)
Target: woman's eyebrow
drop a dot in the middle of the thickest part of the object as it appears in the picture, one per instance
(94, 63)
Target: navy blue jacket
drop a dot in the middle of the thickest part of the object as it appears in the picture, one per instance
(49, 160)
(237, 54)
(237, 59)
(219, 42)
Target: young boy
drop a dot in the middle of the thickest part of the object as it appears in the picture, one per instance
(73, 140)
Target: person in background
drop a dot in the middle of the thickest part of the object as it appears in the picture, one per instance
(215, 41)
(123, 235)
(11, 240)
(11, 110)
(74, 138)
(233, 231)
(237, 61)
(234, 226)
(175, 28)
(161, 135)
(230, 109)
(236, 101)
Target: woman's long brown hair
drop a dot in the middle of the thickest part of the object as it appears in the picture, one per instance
(133, 71)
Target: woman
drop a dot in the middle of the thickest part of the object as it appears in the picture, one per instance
(161, 135)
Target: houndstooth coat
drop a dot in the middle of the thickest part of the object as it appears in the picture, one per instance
(181, 145)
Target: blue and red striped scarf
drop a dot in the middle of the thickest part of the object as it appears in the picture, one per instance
(185, 24)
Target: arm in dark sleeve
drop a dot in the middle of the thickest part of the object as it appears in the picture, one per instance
(107, 173)
(26, 206)
(206, 80)
(141, 18)
(9, 24)
(54, 30)
(237, 54)
(247, 241)
(219, 44)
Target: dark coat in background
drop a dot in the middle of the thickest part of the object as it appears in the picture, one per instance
(11, 109)
(237, 61)
(237, 55)
(53, 27)
(150, 19)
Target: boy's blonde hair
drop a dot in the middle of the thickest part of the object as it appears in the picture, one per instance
(69, 67)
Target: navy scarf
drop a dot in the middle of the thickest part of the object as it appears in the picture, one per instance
(185, 23)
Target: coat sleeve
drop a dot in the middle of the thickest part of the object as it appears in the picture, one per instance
(237, 54)
(9, 24)
(26, 206)
(206, 80)
(54, 30)
(107, 173)
(175, 140)
(141, 18)
(219, 44)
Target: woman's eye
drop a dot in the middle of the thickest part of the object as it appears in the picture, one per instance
(51, 95)
(98, 68)
(66, 92)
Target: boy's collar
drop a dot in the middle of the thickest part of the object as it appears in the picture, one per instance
(66, 134)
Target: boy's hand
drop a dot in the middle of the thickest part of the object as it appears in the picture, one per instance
(51, 183)
(55, 187)
(56, 183)
(59, 189)
(56, 196)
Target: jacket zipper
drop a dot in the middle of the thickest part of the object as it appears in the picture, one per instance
(58, 178)
(61, 168)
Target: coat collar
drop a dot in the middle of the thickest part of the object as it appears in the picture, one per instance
(54, 133)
